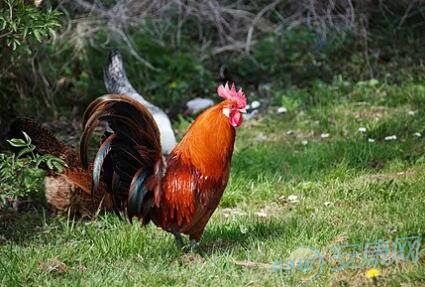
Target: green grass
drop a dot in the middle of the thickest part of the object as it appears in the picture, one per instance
(350, 191)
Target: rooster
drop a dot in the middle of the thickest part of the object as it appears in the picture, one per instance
(178, 193)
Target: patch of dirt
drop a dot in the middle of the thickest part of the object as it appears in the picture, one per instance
(339, 239)
(227, 212)
(190, 258)
(53, 265)
(409, 173)
(369, 113)
(251, 264)
(272, 209)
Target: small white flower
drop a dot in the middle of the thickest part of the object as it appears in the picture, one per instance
(243, 229)
(411, 113)
(417, 134)
(362, 129)
(304, 142)
(324, 135)
(255, 105)
(281, 110)
(290, 132)
(371, 140)
(293, 198)
(390, 138)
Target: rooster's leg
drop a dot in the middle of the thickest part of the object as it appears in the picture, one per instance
(179, 239)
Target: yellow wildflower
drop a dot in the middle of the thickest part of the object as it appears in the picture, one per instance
(373, 273)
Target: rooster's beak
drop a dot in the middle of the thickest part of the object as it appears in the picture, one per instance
(243, 111)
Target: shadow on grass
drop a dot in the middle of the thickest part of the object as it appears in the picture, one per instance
(20, 227)
(224, 237)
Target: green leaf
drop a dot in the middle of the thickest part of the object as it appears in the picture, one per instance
(52, 32)
(25, 151)
(25, 32)
(49, 164)
(17, 142)
(57, 166)
(373, 82)
(27, 138)
(37, 35)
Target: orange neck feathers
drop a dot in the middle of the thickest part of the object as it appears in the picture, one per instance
(208, 144)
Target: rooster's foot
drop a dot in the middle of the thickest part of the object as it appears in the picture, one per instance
(194, 246)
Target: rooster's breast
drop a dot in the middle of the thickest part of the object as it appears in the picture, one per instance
(188, 200)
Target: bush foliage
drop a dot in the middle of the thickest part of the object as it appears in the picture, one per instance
(21, 173)
(174, 52)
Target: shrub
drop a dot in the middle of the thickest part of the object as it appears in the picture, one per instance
(21, 174)
(22, 26)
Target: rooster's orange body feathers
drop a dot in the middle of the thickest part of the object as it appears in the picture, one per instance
(197, 174)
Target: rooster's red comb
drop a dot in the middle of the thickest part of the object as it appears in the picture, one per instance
(233, 95)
